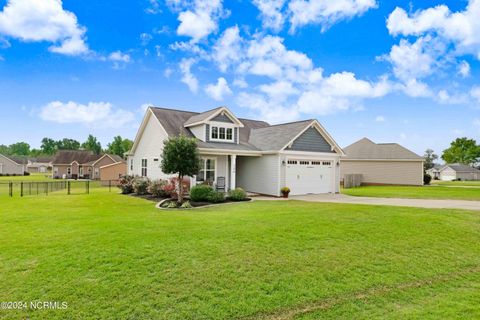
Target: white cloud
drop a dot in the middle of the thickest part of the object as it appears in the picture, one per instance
(475, 93)
(240, 83)
(271, 13)
(279, 91)
(219, 90)
(154, 7)
(326, 13)
(200, 20)
(464, 69)
(228, 48)
(444, 97)
(97, 114)
(145, 38)
(187, 76)
(269, 111)
(46, 20)
(118, 56)
(462, 28)
(380, 119)
(415, 89)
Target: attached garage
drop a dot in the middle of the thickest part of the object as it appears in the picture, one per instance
(305, 176)
(382, 163)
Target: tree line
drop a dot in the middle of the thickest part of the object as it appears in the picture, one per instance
(462, 150)
(50, 146)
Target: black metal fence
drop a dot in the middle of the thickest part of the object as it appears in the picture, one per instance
(68, 187)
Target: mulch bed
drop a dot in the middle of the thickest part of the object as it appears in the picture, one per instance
(194, 204)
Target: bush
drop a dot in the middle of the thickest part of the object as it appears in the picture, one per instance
(186, 205)
(156, 188)
(237, 195)
(427, 178)
(140, 186)
(216, 197)
(26, 173)
(172, 204)
(126, 184)
(200, 192)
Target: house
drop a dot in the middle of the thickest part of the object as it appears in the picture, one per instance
(39, 164)
(251, 154)
(73, 164)
(457, 171)
(113, 171)
(435, 171)
(12, 165)
(382, 163)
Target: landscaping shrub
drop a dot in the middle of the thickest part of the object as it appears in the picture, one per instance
(216, 197)
(172, 204)
(237, 195)
(200, 192)
(140, 186)
(186, 205)
(156, 188)
(427, 178)
(126, 184)
(26, 173)
(170, 189)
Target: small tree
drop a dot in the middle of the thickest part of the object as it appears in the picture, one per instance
(462, 150)
(180, 156)
(430, 158)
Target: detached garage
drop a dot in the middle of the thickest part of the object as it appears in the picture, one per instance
(382, 163)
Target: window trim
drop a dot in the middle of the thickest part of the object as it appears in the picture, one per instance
(144, 167)
(204, 160)
(218, 133)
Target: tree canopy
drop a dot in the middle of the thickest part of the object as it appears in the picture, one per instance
(430, 158)
(462, 150)
(119, 146)
(92, 144)
(180, 156)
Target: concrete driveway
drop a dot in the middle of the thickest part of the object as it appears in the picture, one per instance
(419, 203)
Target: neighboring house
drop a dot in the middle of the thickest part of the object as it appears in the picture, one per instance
(435, 171)
(73, 164)
(456, 171)
(251, 154)
(12, 165)
(382, 163)
(113, 171)
(39, 164)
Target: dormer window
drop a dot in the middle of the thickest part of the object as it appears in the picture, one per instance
(221, 134)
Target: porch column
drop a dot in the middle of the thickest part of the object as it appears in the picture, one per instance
(233, 171)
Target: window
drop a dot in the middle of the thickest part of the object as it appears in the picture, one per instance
(305, 163)
(69, 170)
(221, 134)
(292, 162)
(131, 164)
(327, 163)
(214, 132)
(207, 170)
(316, 163)
(144, 167)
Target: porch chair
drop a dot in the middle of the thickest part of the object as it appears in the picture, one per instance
(221, 184)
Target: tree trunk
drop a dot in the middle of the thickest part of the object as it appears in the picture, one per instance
(180, 188)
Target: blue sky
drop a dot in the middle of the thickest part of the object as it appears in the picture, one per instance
(393, 71)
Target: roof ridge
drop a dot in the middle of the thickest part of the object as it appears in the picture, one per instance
(286, 123)
(178, 110)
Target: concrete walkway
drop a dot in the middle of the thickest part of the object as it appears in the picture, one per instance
(419, 203)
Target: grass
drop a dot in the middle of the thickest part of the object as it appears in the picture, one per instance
(422, 192)
(114, 256)
(457, 183)
(31, 177)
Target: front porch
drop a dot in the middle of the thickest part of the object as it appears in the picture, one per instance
(218, 170)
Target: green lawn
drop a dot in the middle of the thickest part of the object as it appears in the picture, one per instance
(31, 177)
(423, 192)
(456, 183)
(114, 256)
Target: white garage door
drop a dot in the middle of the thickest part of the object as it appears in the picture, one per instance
(309, 176)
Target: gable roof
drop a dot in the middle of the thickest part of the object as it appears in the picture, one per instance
(80, 156)
(366, 149)
(458, 167)
(208, 115)
(16, 159)
(276, 137)
(253, 136)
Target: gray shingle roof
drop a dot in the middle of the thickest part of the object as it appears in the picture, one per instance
(277, 136)
(254, 136)
(458, 167)
(201, 116)
(81, 156)
(365, 149)
(17, 159)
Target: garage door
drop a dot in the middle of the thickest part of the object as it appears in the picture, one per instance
(309, 176)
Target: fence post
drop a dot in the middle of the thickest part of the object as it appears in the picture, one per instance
(109, 185)
(10, 189)
(21, 189)
(87, 186)
(68, 187)
(46, 188)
